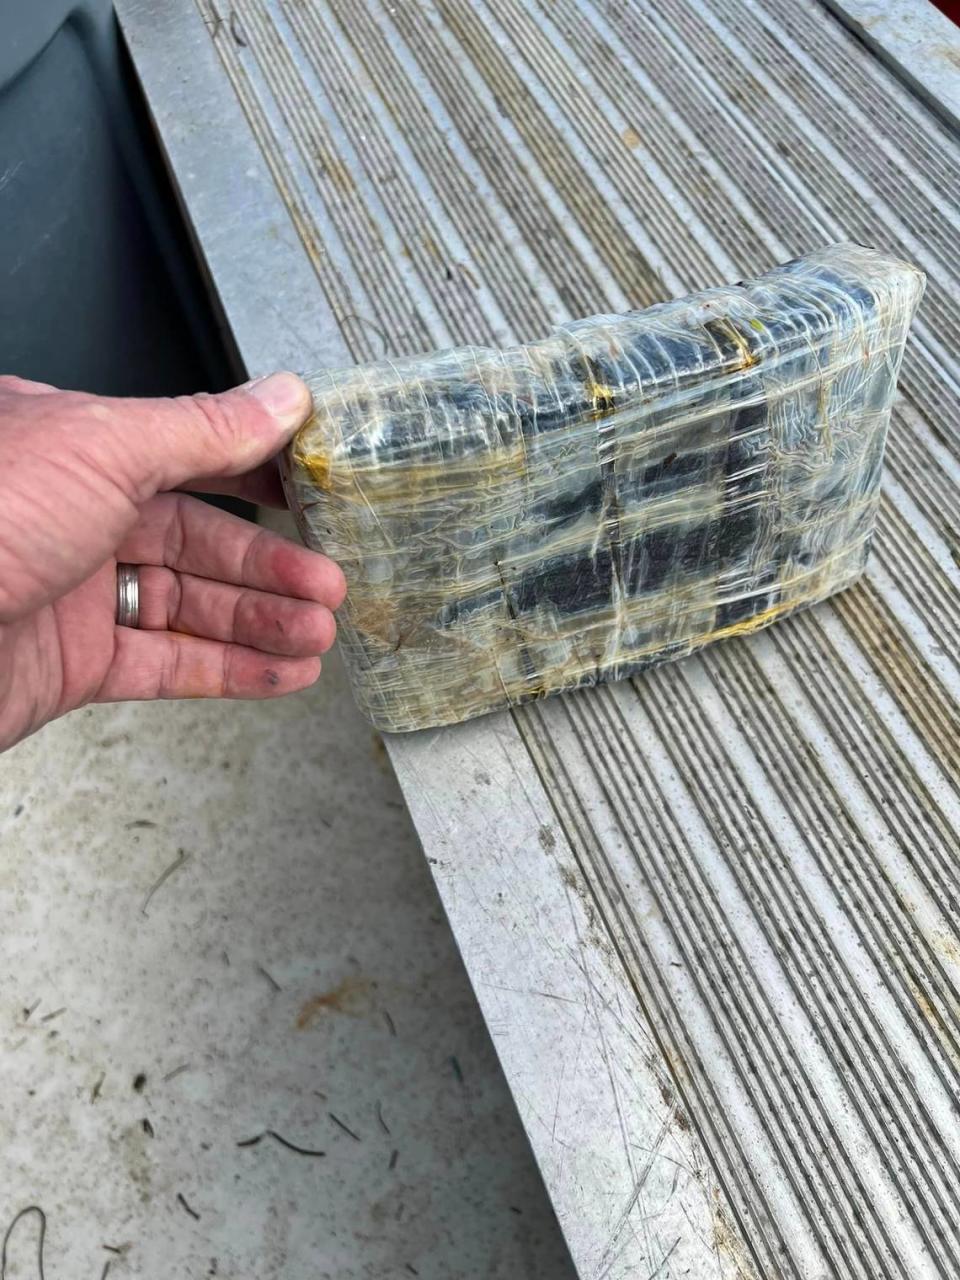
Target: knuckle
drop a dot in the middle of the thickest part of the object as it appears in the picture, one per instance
(11, 606)
(175, 612)
(12, 382)
(328, 630)
(228, 684)
(334, 584)
(168, 670)
(247, 617)
(216, 419)
(175, 539)
(339, 586)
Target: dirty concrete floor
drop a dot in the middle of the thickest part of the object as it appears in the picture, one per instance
(217, 924)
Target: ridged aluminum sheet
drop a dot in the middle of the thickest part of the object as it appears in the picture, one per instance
(713, 915)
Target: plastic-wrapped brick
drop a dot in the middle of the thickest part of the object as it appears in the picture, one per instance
(520, 522)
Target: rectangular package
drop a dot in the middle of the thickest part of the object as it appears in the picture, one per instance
(516, 523)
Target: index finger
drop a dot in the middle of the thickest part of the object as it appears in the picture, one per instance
(24, 386)
(185, 534)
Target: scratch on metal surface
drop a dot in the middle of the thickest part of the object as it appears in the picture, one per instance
(532, 801)
(532, 991)
(604, 1048)
(642, 1046)
(609, 1265)
(635, 1195)
(528, 1105)
(665, 1259)
(662, 1155)
(576, 1065)
(709, 1242)
(576, 1062)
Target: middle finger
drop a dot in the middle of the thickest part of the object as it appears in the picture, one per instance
(236, 615)
(193, 537)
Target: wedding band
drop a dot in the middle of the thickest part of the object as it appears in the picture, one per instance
(128, 595)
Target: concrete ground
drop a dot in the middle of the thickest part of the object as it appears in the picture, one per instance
(222, 953)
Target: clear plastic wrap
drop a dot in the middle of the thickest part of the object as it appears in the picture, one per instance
(516, 523)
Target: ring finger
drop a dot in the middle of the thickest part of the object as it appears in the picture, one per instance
(181, 602)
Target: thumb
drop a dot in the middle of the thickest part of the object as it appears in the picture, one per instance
(165, 443)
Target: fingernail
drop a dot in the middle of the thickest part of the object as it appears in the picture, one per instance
(284, 396)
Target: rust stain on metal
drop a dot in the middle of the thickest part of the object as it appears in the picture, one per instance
(947, 946)
(728, 1242)
(936, 1021)
(340, 176)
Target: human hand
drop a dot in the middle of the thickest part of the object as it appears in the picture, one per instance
(226, 609)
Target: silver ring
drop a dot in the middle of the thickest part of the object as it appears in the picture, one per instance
(128, 595)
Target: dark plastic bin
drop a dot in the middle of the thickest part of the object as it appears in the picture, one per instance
(99, 287)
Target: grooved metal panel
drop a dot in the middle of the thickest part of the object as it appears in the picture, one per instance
(712, 915)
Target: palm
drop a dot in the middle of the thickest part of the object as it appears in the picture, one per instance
(62, 653)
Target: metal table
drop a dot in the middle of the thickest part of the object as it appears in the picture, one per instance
(712, 916)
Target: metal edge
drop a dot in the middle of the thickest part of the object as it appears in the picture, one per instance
(254, 255)
(917, 42)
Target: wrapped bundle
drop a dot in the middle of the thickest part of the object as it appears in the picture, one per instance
(516, 523)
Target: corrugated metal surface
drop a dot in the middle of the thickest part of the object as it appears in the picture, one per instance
(712, 915)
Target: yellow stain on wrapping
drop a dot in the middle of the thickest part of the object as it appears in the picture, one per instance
(630, 137)
(318, 466)
(426, 482)
(603, 399)
(375, 616)
(416, 656)
(747, 358)
(570, 673)
(747, 625)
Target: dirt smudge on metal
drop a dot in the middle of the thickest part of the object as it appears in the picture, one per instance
(728, 1241)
